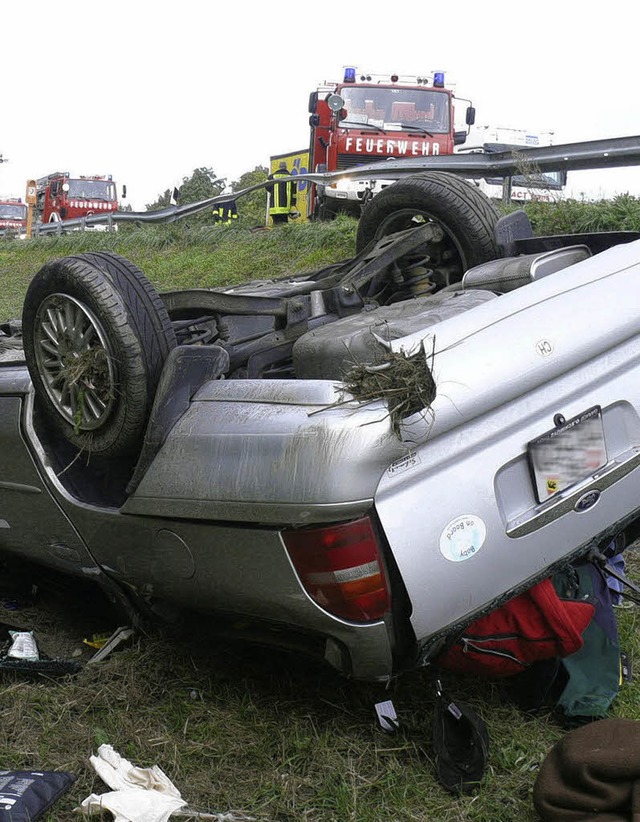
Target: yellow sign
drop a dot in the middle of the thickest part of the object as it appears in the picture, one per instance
(297, 163)
(31, 198)
(32, 192)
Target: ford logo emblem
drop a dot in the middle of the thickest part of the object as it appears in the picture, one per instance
(587, 501)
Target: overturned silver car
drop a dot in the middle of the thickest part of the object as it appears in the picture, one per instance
(355, 462)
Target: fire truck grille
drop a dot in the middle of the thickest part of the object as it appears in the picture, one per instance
(346, 161)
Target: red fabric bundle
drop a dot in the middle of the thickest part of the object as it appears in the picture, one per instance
(533, 626)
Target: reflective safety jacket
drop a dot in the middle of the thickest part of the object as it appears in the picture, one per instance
(225, 213)
(282, 196)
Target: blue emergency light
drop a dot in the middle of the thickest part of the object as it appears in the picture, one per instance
(349, 75)
(438, 79)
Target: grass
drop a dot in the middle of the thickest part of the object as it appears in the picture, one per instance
(263, 733)
(235, 727)
(405, 383)
(177, 256)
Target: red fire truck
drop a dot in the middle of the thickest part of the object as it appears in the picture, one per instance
(13, 215)
(62, 197)
(368, 117)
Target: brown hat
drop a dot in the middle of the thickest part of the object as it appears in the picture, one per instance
(592, 775)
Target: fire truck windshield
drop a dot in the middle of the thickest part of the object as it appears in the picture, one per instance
(92, 190)
(397, 107)
(13, 211)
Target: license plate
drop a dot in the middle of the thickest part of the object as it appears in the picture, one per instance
(568, 454)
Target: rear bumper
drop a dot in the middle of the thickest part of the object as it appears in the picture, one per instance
(239, 573)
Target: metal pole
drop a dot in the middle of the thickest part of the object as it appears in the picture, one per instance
(506, 190)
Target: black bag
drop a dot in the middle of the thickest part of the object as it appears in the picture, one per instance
(460, 744)
(26, 795)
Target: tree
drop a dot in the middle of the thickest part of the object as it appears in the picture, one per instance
(162, 201)
(252, 207)
(202, 184)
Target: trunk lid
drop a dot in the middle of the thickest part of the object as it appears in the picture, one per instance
(460, 510)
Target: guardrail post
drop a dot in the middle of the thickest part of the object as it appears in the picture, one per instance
(506, 190)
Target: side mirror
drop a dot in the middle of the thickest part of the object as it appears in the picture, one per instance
(314, 120)
(471, 116)
(124, 192)
(313, 102)
(459, 137)
(54, 189)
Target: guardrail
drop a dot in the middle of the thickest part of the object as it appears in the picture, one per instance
(611, 153)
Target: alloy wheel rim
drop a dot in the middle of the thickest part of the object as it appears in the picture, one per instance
(75, 361)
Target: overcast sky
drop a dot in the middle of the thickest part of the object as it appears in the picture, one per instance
(148, 91)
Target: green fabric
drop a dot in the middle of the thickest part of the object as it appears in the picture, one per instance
(594, 670)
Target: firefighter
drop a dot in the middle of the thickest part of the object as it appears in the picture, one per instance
(282, 196)
(225, 213)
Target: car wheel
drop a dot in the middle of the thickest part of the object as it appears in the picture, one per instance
(466, 217)
(137, 291)
(95, 344)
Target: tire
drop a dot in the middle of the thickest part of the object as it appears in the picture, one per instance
(151, 321)
(466, 216)
(95, 345)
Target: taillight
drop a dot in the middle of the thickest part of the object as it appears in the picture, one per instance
(341, 569)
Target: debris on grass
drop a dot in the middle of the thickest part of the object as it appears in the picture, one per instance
(141, 793)
(23, 646)
(120, 635)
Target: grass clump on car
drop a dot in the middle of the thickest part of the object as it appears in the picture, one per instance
(405, 382)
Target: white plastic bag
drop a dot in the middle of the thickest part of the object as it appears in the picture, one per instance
(23, 646)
